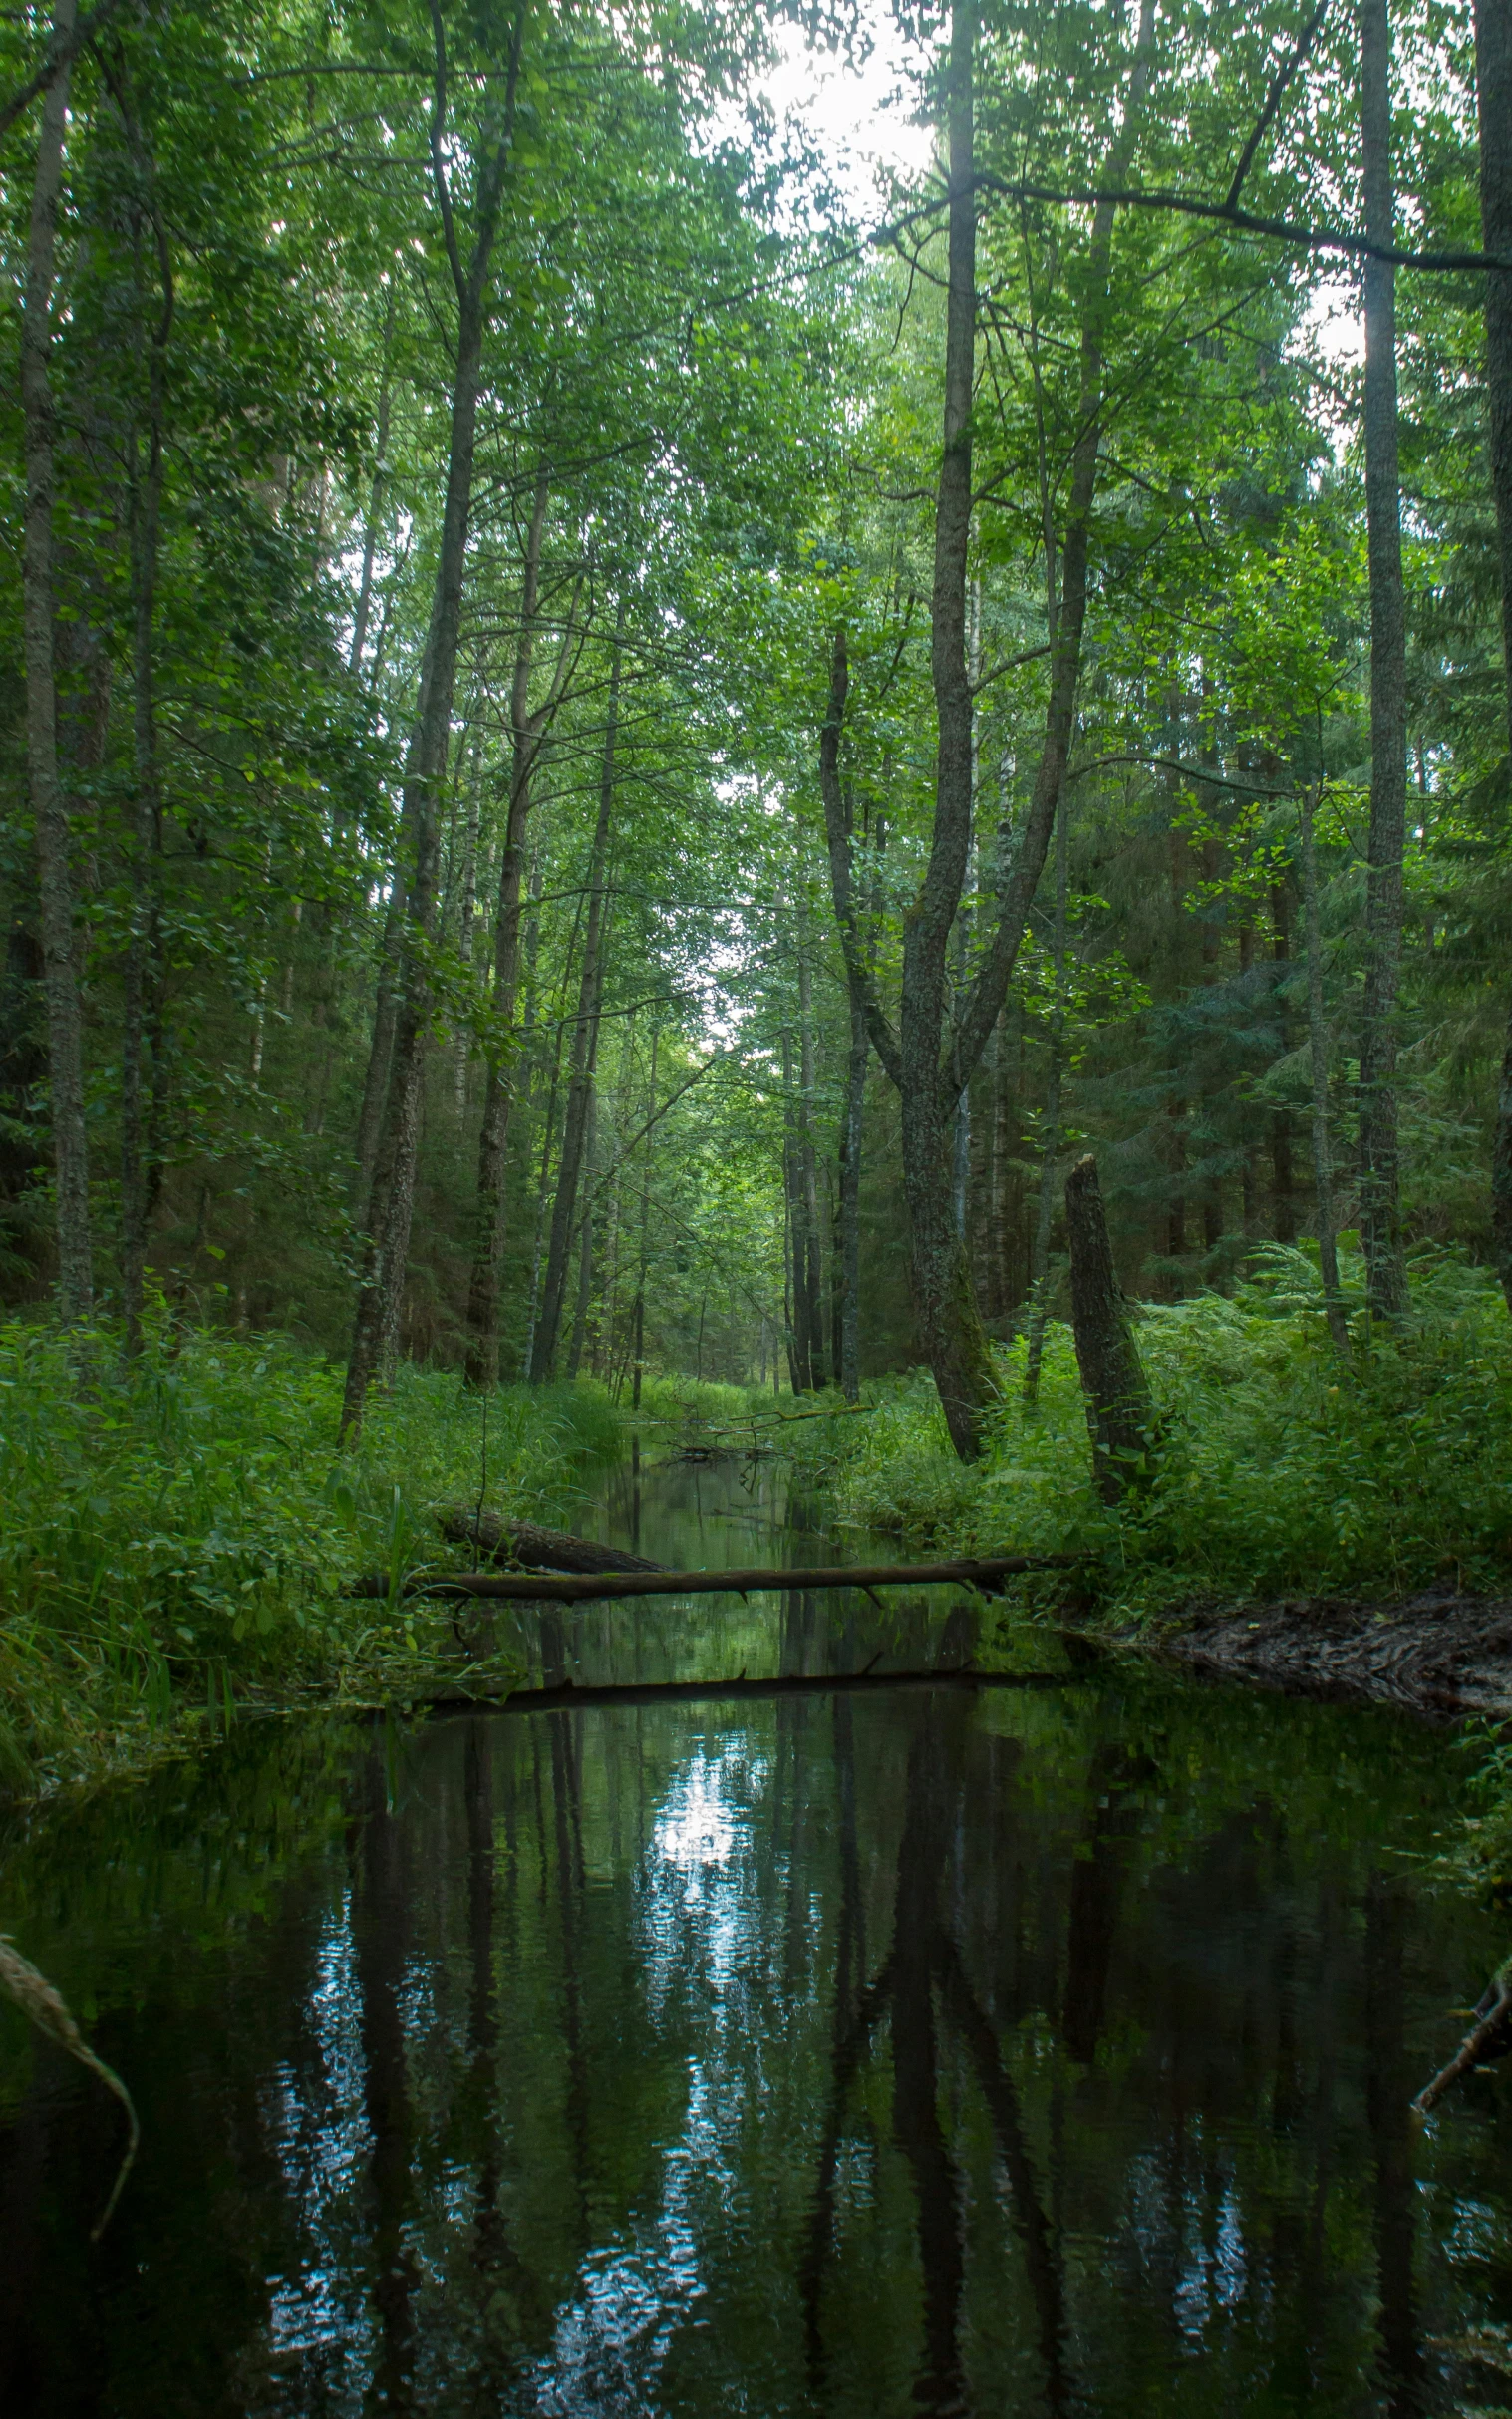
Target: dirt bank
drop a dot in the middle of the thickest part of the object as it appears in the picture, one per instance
(1441, 1653)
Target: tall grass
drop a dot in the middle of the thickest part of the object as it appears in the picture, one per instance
(1278, 1470)
(180, 1528)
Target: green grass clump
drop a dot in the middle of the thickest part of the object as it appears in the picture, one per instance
(1278, 1469)
(179, 1529)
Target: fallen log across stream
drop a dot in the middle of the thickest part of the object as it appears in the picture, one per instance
(985, 1574)
(954, 1677)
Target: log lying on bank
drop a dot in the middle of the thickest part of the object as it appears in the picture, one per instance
(532, 1548)
(985, 1574)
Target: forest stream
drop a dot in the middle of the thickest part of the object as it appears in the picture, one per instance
(1043, 2049)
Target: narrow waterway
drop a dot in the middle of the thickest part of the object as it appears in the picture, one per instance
(1042, 2052)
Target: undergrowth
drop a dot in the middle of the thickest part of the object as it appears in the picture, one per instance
(179, 1529)
(1278, 1470)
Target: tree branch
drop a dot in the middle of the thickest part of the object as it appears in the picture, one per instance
(58, 54)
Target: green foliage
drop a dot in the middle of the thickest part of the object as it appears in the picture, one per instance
(180, 1528)
(1277, 1472)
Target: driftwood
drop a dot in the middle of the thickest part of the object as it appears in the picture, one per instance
(985, 1574)
(1118, 1414)
(533, 1547)
(566, 1693)
(1491, 2038)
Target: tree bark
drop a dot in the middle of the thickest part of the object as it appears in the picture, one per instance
(363, 604)
(1118, 1414)
(482, 1366)
(1283, 1181)
(949, 1325)
(590, 1000)
(1380, 1185)
(141, 989)
(382, 1286)
(808, 1174)
(930, 1067)
(644, 1251)
(64, 1021)
(1038, 1295)
(588, 1225)
(1493, 79)
(848, 1357)
(1318, 1051)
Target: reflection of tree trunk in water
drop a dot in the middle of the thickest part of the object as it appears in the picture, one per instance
(381, 1930)
(1041, 2257)
(923, 1958)
(1387, 2091)
(939, 2385)
(1096, 1888)
(569, 1880)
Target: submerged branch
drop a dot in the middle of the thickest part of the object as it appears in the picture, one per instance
(1491, 2038)
(46, 2008)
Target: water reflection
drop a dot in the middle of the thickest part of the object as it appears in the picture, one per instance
(1033, 2054)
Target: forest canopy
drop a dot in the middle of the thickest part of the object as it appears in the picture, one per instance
(613, 763)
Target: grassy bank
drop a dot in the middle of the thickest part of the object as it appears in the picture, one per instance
(178, 1531)
(1280, 1471)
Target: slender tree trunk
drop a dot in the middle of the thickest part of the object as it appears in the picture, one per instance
(813, 1282)
(1493, 77)
(584, 1058)
(848, 1373)
(141, 989)
(466, 934)
(928, 1067)
(802, 1373)
(482, 1366)
(370, 529)
(1039, 1266)
(381, 1290)
(542, 1190)
(950, 1325)
(1379, 1189)
(643, 1255)
(64, 1020)
(585, 1244)
(1318, 1050)
(1283, 1180)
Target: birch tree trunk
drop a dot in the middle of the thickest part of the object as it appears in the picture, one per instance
(64, 1021)
(1380, 1186)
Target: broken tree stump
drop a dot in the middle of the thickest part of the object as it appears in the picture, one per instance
(1119, 1417)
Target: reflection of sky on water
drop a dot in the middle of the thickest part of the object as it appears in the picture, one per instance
(316, 2124)
(699, 1913)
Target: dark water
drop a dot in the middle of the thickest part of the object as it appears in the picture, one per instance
(1033, 2052)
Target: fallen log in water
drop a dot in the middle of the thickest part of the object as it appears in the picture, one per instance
(1491, 2038)
(788, 1684)
(533, 1547)
(986, 1574)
